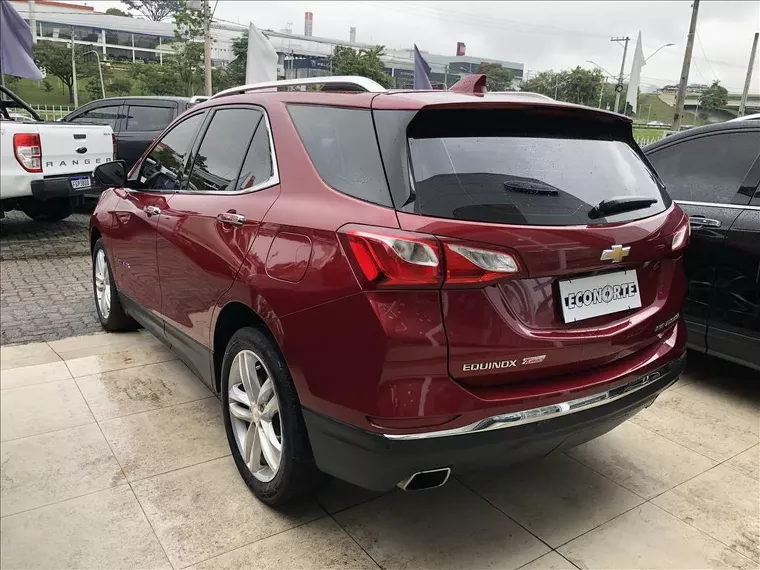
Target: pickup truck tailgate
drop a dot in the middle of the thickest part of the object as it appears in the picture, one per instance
(72, 148)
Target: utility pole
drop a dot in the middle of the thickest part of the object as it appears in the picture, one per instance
(619, 86)
(743, 104)
(681, 94)
(32, 21)
(74, 71)
(207, 46)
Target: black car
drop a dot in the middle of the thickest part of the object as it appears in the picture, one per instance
(136, 121)
(713, 174)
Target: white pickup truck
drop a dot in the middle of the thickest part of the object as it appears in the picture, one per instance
(46, 167)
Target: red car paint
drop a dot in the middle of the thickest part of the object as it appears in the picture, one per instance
(391, 360)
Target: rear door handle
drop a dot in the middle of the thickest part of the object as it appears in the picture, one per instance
(152, 210)
(702, 222)
(230, 218)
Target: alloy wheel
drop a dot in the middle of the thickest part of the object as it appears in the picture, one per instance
(255, 415)
(102, 284)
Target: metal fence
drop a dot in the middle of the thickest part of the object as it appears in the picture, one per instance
(49, 112)
(648, 138)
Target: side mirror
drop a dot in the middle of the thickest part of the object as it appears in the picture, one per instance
(112, 173)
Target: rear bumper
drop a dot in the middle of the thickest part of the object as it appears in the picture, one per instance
(60, 187)
(379, 462)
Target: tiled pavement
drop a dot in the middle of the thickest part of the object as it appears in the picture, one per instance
(114, 456)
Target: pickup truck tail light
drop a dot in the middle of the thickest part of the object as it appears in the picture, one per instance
(386, 258)
(28, 151)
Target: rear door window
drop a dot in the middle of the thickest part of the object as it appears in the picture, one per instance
(526, 175)
(343, 147)
(258, 167)
(106, 115)
(219, 159)
(707, 168)
(144, 118)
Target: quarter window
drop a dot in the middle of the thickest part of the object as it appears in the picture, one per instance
(140, 118)
(163, 168)
(220, 156)
(343, 148)
(707, 168)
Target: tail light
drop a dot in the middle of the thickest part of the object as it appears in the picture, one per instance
(389, 258)
(28, 151)
(113, 146)
(681, 235)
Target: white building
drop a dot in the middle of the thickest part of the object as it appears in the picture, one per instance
(137, 39)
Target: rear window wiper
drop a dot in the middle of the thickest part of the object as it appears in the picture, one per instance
(530, 186)
(620, 205)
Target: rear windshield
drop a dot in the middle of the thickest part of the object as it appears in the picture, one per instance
(535, 179)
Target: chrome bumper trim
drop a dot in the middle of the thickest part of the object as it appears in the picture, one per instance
(543, 413)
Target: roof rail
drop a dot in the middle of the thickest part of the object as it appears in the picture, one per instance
(335, 83)
(522, 93)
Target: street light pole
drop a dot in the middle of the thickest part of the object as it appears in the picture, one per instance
(619, 86)
(602, 92)
(100, 72)
(74, 72)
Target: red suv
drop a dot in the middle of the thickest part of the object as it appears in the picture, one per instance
(391, 286)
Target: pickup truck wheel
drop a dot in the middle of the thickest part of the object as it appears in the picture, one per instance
(263, 420)
(107, 303)
(53, 210)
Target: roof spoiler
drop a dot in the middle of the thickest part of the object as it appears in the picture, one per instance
(471, 84)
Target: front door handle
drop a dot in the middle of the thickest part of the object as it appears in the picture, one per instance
(152, 210)
(702, 222)
(231, 218)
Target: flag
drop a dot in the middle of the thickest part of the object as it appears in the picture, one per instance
(16, 44)
(421, 71)
(639, 61)
(261, 64)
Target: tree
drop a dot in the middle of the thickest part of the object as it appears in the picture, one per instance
(155, 10)
(55, 59)
(364, 62)
(161, 80)
(712, 98)
(498, 78)
(577, 85)
(117, 12)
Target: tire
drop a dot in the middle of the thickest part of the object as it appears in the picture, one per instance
(107, 303)
(295, 474)
(53, 210)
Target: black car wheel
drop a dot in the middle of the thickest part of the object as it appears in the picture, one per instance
(263, 420)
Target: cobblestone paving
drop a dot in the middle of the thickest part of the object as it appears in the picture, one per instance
(45, 290)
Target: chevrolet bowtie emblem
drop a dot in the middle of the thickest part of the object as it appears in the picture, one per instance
(615, 254)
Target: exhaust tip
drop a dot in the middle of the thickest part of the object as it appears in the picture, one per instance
(425, 480)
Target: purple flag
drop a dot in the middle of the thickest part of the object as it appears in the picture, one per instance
(421, 71)
(16, 44)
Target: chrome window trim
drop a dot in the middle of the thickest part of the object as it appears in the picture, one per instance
(273, 180)
(717, 205)
(542, 413)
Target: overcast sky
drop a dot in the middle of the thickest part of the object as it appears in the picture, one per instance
(542, 35)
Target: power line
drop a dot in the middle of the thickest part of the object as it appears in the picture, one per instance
(699, 41)
(460, 17)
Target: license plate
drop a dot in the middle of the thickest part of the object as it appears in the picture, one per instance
(80, 182)
(589, 297)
